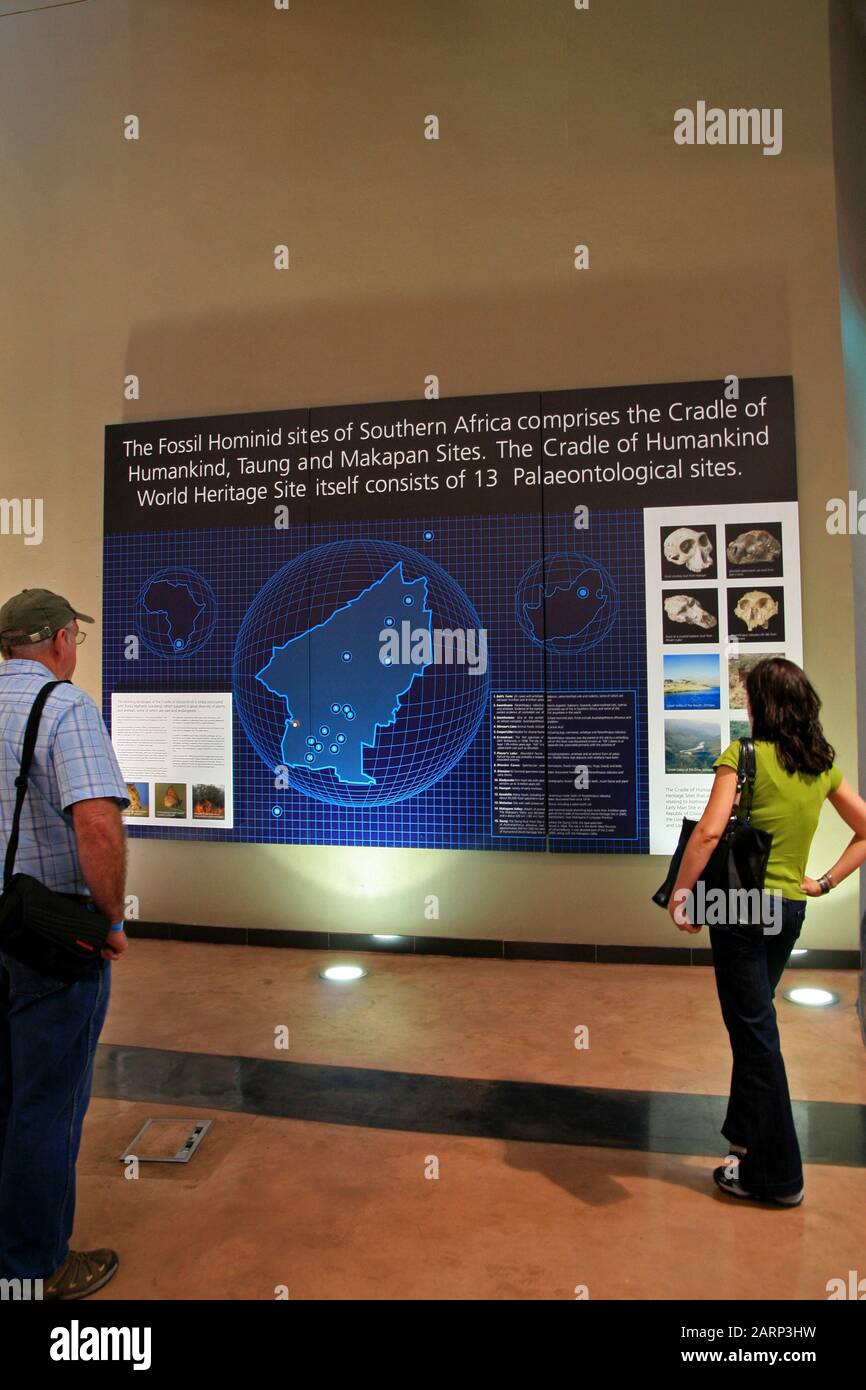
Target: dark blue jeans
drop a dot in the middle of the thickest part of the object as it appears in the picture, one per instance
(748, 965)
(48, 1036)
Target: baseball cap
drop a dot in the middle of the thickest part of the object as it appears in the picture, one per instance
(35, 614)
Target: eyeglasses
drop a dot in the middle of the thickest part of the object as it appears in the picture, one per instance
(78, 637)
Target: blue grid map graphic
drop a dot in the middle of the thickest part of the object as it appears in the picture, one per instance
(474, 566)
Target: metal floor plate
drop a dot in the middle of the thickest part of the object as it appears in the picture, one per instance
(197, 1131)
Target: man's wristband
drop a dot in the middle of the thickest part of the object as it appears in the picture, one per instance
(825, 883)
(118, 926)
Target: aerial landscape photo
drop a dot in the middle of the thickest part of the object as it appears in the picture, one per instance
(692, 745)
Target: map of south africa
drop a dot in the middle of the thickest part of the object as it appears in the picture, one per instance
(182, 611)
(338, 692)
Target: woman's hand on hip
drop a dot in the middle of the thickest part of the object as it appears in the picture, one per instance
(811, 887)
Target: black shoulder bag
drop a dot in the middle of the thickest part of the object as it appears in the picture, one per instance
(45, 930)
(738, 862)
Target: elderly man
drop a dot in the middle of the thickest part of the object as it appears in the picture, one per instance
(73, 841)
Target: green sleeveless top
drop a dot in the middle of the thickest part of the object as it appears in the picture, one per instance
(787, 804)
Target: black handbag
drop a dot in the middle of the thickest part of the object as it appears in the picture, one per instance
(738, 862)
(46, 930)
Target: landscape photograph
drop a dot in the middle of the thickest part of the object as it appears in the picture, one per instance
(692, 682)
(692, 745)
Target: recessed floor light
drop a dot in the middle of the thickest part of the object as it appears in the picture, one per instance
(343, 973)
(811, 997)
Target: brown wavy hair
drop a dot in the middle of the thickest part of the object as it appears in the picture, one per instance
(785, 709)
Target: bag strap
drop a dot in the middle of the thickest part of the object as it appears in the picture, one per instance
(21, 780)
(746, 773)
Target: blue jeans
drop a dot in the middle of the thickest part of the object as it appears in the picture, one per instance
(48, 1036)
(748, 966)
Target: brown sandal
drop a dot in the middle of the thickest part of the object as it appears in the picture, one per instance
(81, 1274)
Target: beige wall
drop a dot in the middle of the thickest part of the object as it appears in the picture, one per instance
(410, 257)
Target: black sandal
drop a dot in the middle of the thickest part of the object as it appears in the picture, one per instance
(734, 1189)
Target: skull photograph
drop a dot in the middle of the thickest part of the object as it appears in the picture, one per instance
(756, 614)
(685, 608)
(756, 609)
(754, 549)
(690, 617)
(690, 548)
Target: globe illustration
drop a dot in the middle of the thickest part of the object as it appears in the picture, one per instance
(566, 603)
(350, 720)
(175, 612)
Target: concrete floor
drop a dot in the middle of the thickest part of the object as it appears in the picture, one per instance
(335, 1211)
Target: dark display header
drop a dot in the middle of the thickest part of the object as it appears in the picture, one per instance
(462, 456)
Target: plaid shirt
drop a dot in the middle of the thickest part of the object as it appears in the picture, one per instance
(73, 761)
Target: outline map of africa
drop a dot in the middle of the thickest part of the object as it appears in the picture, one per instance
(182, 611)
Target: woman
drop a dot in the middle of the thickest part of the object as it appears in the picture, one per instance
(795, 771)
